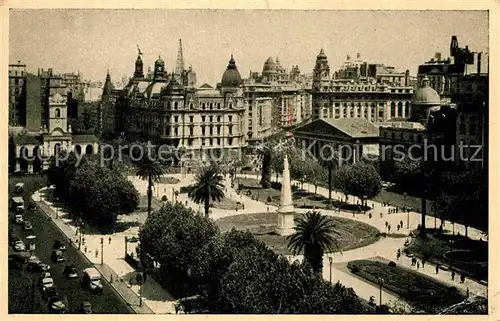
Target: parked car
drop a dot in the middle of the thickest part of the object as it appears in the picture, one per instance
(28, 226)
(19, 219)
(19, 188)
(57, 305)
(50, 293)
(86, 307)
(70, 272)
(19, 246)
(46, 284)
(44, 275)
(57, 256)
(59, 245)
(92, 279)
(19, 259)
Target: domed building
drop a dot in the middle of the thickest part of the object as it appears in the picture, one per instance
(425, 101)
(231, 77)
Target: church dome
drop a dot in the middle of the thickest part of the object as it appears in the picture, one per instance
(269, 66)
(321, 54)
(231, 77)
(426, 96)
(159, 62)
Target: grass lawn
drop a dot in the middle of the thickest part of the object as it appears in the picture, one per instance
(354, 234)
(169, 180)
(225, 204)
(437, 244)
(143, 203)
(421, 291)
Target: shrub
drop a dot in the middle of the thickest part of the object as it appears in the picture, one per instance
(392, 264)
(354, 269)
(164, 198)
(276, 185)
(184, 189)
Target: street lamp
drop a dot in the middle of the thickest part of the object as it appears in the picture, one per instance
(380, 283)
(126, 241)
(330, 258)
(405, 195)
(102, 252)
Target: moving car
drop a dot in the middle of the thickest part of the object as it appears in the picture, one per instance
(59, 245)
(57, 256)
(28, 226)
(86, 307)
(56, 305)
(19, 246)
(17, 204)
(43, 275)
(70, 272)
(92, 279)
(35, 265)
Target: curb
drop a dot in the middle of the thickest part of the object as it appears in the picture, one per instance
(133, 307)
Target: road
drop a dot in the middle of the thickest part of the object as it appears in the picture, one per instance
(21, 297)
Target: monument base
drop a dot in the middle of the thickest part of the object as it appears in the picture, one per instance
(285, 224)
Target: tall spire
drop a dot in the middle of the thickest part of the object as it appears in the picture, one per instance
(179, 66)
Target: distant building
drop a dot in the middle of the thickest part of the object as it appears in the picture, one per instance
(360, 90)
(17, 94)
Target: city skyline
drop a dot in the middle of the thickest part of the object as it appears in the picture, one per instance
(91, 41)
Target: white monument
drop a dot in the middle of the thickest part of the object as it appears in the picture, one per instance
(286, 210)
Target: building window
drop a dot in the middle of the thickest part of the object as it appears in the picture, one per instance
(203, 142)
(190, 105)
(210, 141)
(203, 106)
(218, 105)
(191, 131)
(211, 130)
(203, 130)
(190, 142)
(176, 105)
(211, 106)
(58, 113)
(218, 130)
(230, 105)
(176, 131)
(176, 119)
(211, 119)
(218, 119)
(230, 130)
(191, 119)
(230, 140)
(230, 119)
(218, 141)
(249, 107)
(203, 119)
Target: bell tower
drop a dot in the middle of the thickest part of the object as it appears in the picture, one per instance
(321, 73)
(58, 113)
(139, 66)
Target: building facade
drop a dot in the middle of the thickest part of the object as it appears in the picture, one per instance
(357, 91)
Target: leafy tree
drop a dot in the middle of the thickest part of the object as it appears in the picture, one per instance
(359, 179)
(464, 199)
(208, 186)
(77, 126)
(173, 236)
(330, 159)
(313, 236)
(150, 169)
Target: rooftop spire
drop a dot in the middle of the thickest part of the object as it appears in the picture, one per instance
(179, 66)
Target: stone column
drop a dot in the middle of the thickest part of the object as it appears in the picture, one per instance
(286, 210)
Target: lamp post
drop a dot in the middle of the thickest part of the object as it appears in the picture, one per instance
(102, 252)
(380, 283)
(80, 237)
(126, 241)
(405, 195)
(330, 259)
(57, 212)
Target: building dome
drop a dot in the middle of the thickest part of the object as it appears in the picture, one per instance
(321, 54)
(426, 96)
(269, 66)
(231, 77)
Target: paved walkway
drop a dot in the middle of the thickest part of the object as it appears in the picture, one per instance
(160, 301)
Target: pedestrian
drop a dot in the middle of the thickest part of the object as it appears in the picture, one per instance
(401, 223)
(111, 278)
(418, 265)
(389, 228)
(467, 292)
(452, 275)
(423, 264)
(243, 205)
(386, 224)
(96, 253)
(187, 201)
(268, 208)
(462, 278)
(437, 269)
(83, 240)
(85, 249)
(109, 240)
(380, 214)
(369, 215)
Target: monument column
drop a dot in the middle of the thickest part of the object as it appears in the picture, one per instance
(286, 210)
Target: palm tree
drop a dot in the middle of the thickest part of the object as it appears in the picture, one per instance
(313, 236)
(150, 170)
(208, 186)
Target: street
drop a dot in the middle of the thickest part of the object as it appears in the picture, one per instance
(21, 297)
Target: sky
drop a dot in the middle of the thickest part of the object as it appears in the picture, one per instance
(91, 41)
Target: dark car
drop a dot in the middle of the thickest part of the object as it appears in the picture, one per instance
(32, 207)
(86, 307)
(59, 245)
(35, 265)
(57, 305)
(57, 256)
(70, 271)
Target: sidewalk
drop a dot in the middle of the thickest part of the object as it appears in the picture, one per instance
(120, 278)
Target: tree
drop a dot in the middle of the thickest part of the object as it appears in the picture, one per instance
(208, 186)
(331, 161)
(173, 236)
(359, 179)
(150, 169)
(464, 199)
(313, 236)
